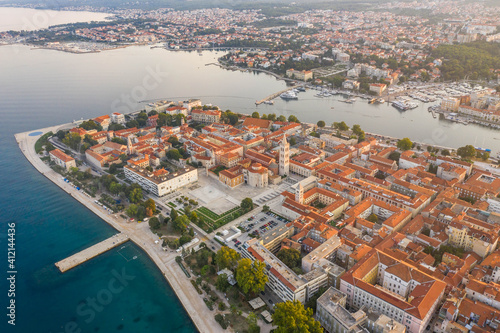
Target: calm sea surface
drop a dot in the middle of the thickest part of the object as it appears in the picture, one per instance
(50, 225)
(39, 88)
(33, 19)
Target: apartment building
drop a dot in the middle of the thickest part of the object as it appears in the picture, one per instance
(283, 281)
(393, 288)
(161, 182)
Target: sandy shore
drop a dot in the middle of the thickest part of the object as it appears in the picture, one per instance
(140, 234)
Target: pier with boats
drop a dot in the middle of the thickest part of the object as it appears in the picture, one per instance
(287, 94)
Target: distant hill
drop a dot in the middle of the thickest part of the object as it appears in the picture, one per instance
(270, 7)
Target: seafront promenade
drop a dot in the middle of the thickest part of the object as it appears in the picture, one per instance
(138, 233)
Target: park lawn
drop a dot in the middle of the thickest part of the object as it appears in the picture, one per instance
(238, 299)
(168, 230)
(214, 220)
(218, 169)
(238, 323)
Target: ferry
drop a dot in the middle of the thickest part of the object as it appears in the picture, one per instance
(399, 105)
(289, 95)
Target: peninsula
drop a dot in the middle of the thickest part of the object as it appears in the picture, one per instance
(253, 218)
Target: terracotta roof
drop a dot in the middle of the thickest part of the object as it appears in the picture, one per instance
(262, 123)
(60, 155)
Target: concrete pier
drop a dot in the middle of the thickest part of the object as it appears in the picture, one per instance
(91, 252)
(273, 96)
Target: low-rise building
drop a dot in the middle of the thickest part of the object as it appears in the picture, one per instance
(378, 88)
(205, 116)
(299, 75)
(62, 159)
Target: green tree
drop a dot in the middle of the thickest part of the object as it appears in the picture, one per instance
(115, 188)
(132, 124)
(72, 140)
(205, 270)
(246, 204)
(221, 283)
(394, 156)
(191, 232)
(250, 275)
(154, 223)
(292, 141)
(321, 123)
(115, 127)
(174, 154)
(404, 144)
(356, 129)
(88, 139)
(342, 126)
(193, 217)
(135, 195)
(290, 257)
(311, 303)
(184, 239)
(282, 118)
(90, 125)
(445, 152)
(60, 134)
(226, 258)
(173, 214)
(119, 141)
(150, 203)
(361, 136)
(373, 218)
(467, 151)
(181, 223)
(292, 317)
(252, 323)
(131, 210)
(255, 114)
(233, 119)
(293, 119)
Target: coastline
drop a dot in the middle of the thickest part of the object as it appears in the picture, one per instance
(140, 234)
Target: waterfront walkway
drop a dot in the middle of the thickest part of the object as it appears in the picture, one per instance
(91, 252)
(138, 233)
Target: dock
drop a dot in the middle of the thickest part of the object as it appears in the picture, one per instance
(91, 252)
(273, 96)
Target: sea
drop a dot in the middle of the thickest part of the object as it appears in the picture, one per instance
(41, 88)
(119, 291)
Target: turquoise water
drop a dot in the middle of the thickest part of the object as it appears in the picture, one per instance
(50, 225)
(41, 88)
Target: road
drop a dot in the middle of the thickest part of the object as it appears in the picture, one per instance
(139, 233)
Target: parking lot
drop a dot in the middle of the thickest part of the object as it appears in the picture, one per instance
(256, 226)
